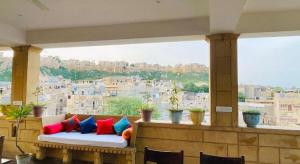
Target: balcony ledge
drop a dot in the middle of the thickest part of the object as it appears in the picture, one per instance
(266, 129)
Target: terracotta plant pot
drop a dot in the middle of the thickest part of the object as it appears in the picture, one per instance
(197, 117)
(38, 111)
(146, 115)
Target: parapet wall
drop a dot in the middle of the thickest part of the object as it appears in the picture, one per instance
(257, 145)
(29, 131)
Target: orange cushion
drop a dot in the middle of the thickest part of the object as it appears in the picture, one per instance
(127, 133)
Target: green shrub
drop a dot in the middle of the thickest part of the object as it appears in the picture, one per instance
(196, 110)
(128, 106)
(251, 111)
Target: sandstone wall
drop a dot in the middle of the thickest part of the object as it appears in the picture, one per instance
(263, 146)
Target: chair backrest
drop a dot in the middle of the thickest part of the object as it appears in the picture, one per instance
(163, 157)
(1, 146)
(208, 159)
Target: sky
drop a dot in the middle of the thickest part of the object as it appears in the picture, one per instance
(166, 53)
(270, 61)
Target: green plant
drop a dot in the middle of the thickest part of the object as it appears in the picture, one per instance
(196, 110)
(192, 87)
(18, 113)
(4, 109)
(252, 111)
(147, 105)
(37, 92)
(241, 97)
(174, 98)
(93, 74)
(128, 106)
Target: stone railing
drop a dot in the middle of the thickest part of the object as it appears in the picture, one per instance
(258, 145)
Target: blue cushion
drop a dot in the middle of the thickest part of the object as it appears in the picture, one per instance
(88, 125)
(121, 125)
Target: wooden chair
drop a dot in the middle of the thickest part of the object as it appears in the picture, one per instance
(163, 157)
(210, 159)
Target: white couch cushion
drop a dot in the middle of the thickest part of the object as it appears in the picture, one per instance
(90, 139)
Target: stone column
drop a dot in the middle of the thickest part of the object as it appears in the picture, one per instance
(223, 79)
(25, 73)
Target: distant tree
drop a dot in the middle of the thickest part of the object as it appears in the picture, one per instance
(6, 75)
(277, 89)
(189, 77)
(241, 97)
(204, 89)
(128, 106)
(123, 106)
(191, 87)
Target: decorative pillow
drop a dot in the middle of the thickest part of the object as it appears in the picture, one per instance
(121, 125)
(88, 125)
(127, 133)
(71, 124)
(53, 128)
(105, 126)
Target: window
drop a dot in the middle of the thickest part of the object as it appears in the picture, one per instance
(107, 79)
(5, 76)
(269, 80)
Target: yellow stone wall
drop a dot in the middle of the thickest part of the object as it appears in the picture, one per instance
(25, 73)
(29, 131)
(264, 146)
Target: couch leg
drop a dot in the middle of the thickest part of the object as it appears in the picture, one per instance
(130, 158)
(67, 156)
(98, 158)
(40, 153)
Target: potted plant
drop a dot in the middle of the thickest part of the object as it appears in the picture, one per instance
(197, 115)
(251, 118)
(17, 114)
(37, 107)
(4, 109)
(146, 112)
(175, 112)
(147, 108)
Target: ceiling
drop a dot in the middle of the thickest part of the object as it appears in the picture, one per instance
(253, 6)
(73, 13)
(67, 21)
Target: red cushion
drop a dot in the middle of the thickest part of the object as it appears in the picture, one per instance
(53, 128)
(105, 126)
(71, 124)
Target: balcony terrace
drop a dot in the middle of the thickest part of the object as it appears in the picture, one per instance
(27, 27)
